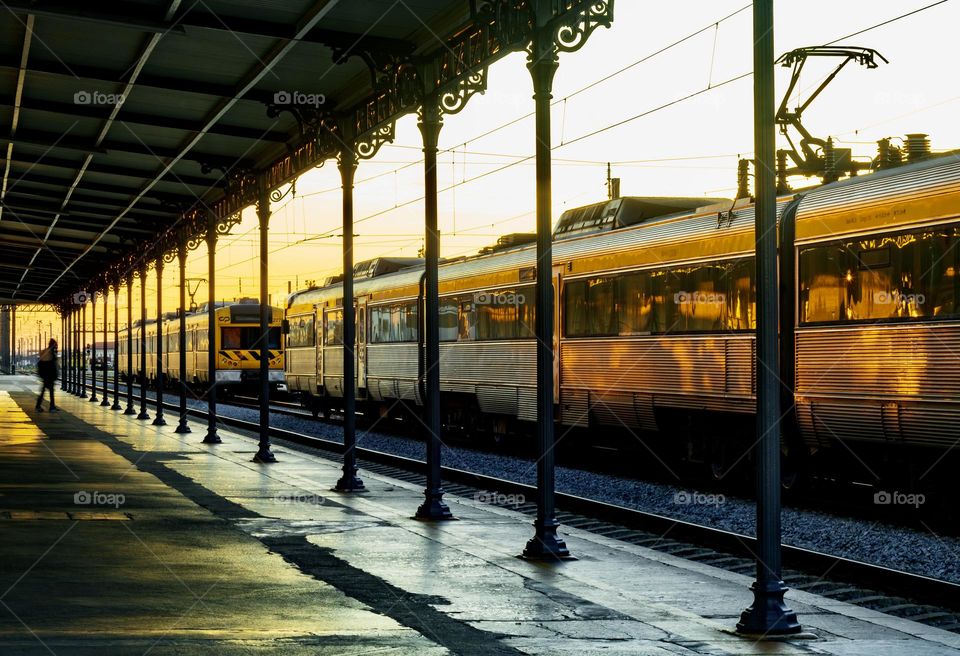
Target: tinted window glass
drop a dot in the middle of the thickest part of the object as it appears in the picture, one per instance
(711, 297)
(892, 277)
(393, 323)
(333, 327)
(302, 331)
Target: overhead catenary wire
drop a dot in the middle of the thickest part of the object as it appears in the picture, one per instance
(502, 126)
(617, 124)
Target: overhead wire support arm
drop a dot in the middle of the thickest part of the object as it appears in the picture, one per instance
(809, 162)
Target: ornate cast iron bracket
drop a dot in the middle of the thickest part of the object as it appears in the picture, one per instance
(574, 27)
(451, 102)
(368, 145)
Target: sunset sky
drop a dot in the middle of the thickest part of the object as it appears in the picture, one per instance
(689, 148)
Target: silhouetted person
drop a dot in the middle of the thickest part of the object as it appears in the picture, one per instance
(47, 370)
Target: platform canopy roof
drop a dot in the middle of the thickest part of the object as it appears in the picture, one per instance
(122, 119)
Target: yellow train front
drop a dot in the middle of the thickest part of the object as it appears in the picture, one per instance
(236, 344)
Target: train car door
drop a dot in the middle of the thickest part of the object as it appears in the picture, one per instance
(361, 346)
(557, 316)
(318, 345)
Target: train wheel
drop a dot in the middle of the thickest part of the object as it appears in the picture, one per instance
(793, 469)
(499, 430)
(721, 461)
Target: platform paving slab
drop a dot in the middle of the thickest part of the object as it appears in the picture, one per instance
(300, 560)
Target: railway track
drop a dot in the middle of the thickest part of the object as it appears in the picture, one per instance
(923, 599)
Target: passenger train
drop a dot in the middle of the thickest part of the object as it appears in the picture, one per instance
(655, 321)
(236, 344)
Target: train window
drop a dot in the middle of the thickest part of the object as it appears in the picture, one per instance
(189, 340)
(231, 338)
(502, 314)
(393, 323)
(526, 312)
(248, 338)
(883, 278)
(333, 327)
(449, 319)
(467, 320)
(302, 331)
(590, 307)
(741, 294)
(636, 303)
(710, 297)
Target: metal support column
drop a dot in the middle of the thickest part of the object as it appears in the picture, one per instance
(349, 481)
(93, 347)
(68, 352)
(116, 346)
(62, 349)
(13, 338)
(769, 614)
(264, 454)
(129, 409)
(105, 403)
(211, 437)
(83, 351)
(546, 543)
(143, 415)
(158, 419)
(72, 386)
(182, 426)
(433, 506)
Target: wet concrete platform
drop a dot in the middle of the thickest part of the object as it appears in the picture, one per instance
(123, 538)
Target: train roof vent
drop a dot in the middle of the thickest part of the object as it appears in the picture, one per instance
(623, 212)
(381, 265)
(332, 280)
(510, 241)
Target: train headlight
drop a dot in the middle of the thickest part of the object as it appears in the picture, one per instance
(228, 376)
(277, 377)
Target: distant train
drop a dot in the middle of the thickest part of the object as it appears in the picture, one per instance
(237, 347)
(655, 321)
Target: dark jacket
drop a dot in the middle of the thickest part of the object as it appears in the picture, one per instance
(47, 365)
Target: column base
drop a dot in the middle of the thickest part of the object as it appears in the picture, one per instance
(212, 438)
(129, 410)
(433, 508)
(159, 421)
(116, 406)
(93, 398)
(143, 416)
(182, 428)
(265, 456)
(769, 615)
(83, 395)
(546, 544)
(105, 403)
(349, 482)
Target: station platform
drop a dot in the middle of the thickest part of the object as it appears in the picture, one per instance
(124, 538)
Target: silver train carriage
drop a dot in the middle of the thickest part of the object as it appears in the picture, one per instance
(655, 319)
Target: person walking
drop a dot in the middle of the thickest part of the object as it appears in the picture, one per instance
(47, 370)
